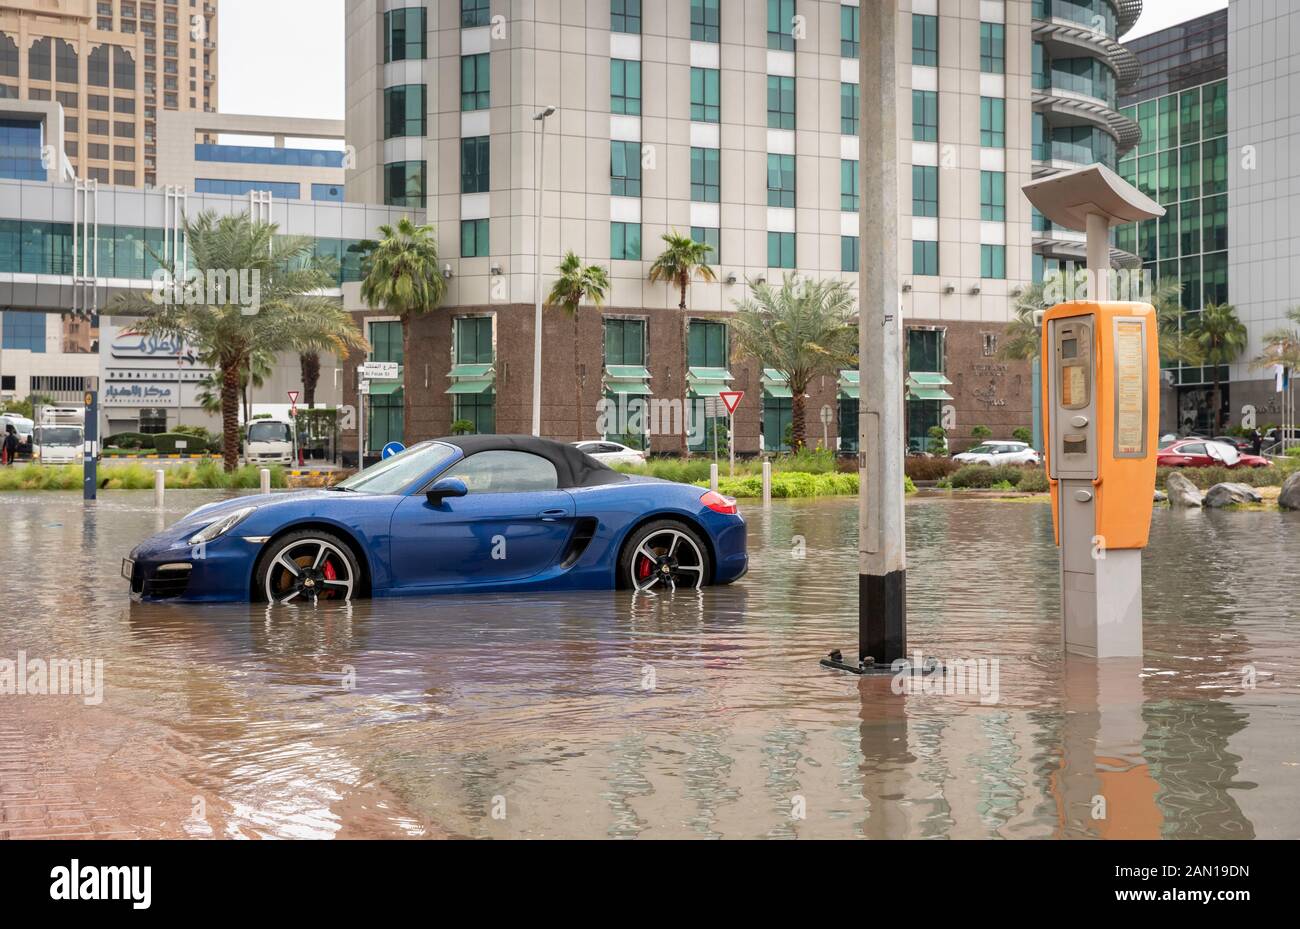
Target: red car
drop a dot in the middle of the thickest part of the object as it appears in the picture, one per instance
(1206, 453)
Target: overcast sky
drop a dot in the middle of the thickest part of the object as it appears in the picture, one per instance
(285, 57)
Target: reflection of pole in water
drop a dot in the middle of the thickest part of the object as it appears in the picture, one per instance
(886, 759)
(1104, 788)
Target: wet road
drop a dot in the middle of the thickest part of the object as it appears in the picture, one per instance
(601, 715)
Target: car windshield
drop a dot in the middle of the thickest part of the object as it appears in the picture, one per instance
(269, 432)
(393, 475)
(982, 450)
(58, 435)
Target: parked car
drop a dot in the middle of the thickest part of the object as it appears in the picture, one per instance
(490, 513)
(1206, 453)
(611, 453)
(1240, 443)
(1000, 453)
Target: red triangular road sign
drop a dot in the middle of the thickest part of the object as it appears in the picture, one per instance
(731, 399)
(293, 397)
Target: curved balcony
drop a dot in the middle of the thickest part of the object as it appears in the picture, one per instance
(1068, 108)
(1062, 38)
(1067, 245)
(1129, 11)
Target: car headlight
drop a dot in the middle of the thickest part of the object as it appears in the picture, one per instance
(221, 526)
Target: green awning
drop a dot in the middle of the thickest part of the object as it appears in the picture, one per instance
(850, 392)
(627, 373)
(699, 391)
(850, 376)
(928, 393)
(777, 392)
(384, 388)
(634, 388)
(927, 379)
(478, 370)
(475, 386)
(708, 374)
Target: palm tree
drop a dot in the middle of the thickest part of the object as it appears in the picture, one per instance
(1219, 337)
(1282, 346)
(290, 314)
(804, 329)
(401, 274)
(309, 366)
(681, 261)
(578, 282)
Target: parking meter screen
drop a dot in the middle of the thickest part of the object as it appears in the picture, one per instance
(1074, 386)
(1069, 348)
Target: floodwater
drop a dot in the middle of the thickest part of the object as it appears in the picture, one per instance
(701, 715)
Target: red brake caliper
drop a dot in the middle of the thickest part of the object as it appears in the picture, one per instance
(643, 568)
(330, 573)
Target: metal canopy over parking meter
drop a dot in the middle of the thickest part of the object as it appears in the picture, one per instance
(1101, 395)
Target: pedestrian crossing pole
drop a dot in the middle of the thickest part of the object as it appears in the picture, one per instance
(90, 452)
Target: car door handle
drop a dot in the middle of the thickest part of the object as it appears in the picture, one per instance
(551, 516)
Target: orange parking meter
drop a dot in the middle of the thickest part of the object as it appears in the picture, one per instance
(1100, 411)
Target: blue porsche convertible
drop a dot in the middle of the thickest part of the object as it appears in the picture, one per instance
(474, 513)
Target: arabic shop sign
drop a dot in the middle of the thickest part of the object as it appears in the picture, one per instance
(137, 348)
(141, 393)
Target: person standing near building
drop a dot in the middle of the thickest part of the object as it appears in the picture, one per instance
(9, 451)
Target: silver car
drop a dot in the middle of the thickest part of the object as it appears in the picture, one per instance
(1000, 453)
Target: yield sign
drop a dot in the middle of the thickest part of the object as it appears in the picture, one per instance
(293, 398)
(731, 399)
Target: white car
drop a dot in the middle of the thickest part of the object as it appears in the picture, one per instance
(611, 453)
(999, 453)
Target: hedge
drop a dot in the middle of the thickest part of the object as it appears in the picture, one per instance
(787, 484)
(203, 475)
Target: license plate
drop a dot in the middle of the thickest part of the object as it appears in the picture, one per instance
(128, 568)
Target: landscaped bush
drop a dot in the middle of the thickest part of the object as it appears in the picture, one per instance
(204, 475)
(787, 484)
(129, 440)
(989, 476)
(929, 469)
(1034, 481)
(167, 443)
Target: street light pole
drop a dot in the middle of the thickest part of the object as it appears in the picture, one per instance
(539, 117)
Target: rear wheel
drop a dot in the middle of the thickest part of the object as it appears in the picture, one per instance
(664, 555)
(306, 567)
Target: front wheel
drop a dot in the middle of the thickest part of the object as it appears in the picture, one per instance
(664, 554)
(306, 567)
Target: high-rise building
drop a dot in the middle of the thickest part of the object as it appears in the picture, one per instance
(113, 65)
(734, 121)
(1180, 105)
(1079, 70)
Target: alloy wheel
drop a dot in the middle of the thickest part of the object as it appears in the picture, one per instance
(308, 570)
(667, 559)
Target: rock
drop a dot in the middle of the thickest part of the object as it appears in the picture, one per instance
(1231, 494)
(1161, 496)
(1182, 492)
(1289, 499)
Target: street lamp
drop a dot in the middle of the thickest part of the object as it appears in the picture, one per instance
(539, 117)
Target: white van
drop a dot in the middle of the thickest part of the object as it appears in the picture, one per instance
(269, 441)
(22, 425)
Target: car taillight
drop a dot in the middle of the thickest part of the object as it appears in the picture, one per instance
(719, 504)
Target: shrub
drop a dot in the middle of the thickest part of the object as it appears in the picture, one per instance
(988, 476)
(204, 475)
(1023, 434)
(1207, 477)
(462, 427)
(929, 469)
(1034, 481)
(980, 433)
(129, 440)
(168, 443)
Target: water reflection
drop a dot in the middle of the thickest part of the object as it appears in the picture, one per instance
(700, 715)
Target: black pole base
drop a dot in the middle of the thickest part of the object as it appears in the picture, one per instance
(867, 666)
(882, 616)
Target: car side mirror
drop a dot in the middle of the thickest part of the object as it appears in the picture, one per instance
(447, 487)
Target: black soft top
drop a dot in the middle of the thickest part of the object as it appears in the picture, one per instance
(574, 467)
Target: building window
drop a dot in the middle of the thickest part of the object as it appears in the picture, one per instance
(849, 109)
(780, 250)
(993, 196)
(706, 344)
(993, 122)
(284, 190)
(706, 96)
(849, 31)
(925, 40)
(993, 48)
(404, 31)
(474, 238)
(625, 87)
(777, 416)
(712, 237)
(780, 102)
(780, 24)
(993, 261)
(706, 180)
(153, 422)
(625, 169)
(404, 183)
(624, 342)
(704, 20)
(384, 419)
(404, 111)
(848, 185)
(475, 82)
(20, 150)
(67, 67)
(327, 192)
(625, 16)
(925, 190)
(475, 165)
(849, 253)
(925, 116)
(780, 180)
(925, 258)
(23, 331)
(475, 13)
(625, 241)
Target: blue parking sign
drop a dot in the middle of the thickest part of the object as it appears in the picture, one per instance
(393, 448)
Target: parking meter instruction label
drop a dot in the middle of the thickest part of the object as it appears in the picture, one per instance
(1130, 388)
